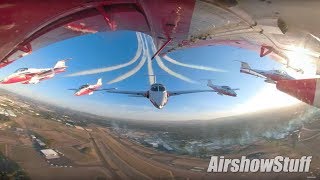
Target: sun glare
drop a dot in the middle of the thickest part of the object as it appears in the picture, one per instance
(267, 98)
(299, 58)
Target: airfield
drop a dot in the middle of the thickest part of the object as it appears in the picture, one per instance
(92, 147)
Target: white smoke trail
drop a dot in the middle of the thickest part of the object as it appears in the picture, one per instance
(193, 66)
(315, 37)
(169, 71)
(106, 69)
(134, 70)
(150, 68)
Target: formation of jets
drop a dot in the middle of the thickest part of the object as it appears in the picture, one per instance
(157, 93)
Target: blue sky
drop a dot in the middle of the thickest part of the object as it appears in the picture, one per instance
(112, 48)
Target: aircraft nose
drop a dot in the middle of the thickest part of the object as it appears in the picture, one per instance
(160, 101)
(159, 104)
(4, 80)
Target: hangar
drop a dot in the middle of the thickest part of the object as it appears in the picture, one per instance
(50, 153)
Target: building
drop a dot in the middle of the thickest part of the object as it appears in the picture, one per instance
(2, 110)
(19, 129)
(167, 147)
(154, 144)
(40, 142)
(69, 125)
(50, 153)
(79, 127)
(11, 113)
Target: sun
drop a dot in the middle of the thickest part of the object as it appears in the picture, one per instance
(299, 58)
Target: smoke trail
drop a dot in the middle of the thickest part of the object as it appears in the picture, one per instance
(169, 71)
(106, 69)
(193, 66)
(134, 70)
(150, 69)
(315, 37)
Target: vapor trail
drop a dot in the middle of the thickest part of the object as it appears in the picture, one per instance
(134, 70)
(193, 66)
(169, 71)
(150, 68)
(111, 68)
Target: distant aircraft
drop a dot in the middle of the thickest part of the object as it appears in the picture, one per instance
(271, 76)
(222, 90)
(89, 89)
(33, 75)
(157, 94)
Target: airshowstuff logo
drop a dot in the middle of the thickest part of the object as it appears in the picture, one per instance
(278, 164)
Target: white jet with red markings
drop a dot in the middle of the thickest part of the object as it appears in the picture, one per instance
(89, 89)
(222, 90)
(34, 75)
(157, 94)
(271, 76)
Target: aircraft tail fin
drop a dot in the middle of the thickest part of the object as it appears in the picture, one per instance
(99, 82)
(60, 64)
(245, 65)
(209, 81)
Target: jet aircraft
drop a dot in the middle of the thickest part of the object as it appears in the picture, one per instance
(89, 89)
(157, 94)
(222, 90)
(271, 76)
(34, 75)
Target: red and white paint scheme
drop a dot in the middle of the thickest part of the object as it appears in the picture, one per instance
(157, 94)
(271, 76)
(34, 75)
(306, 90)
(222, 90)
(89, 89)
